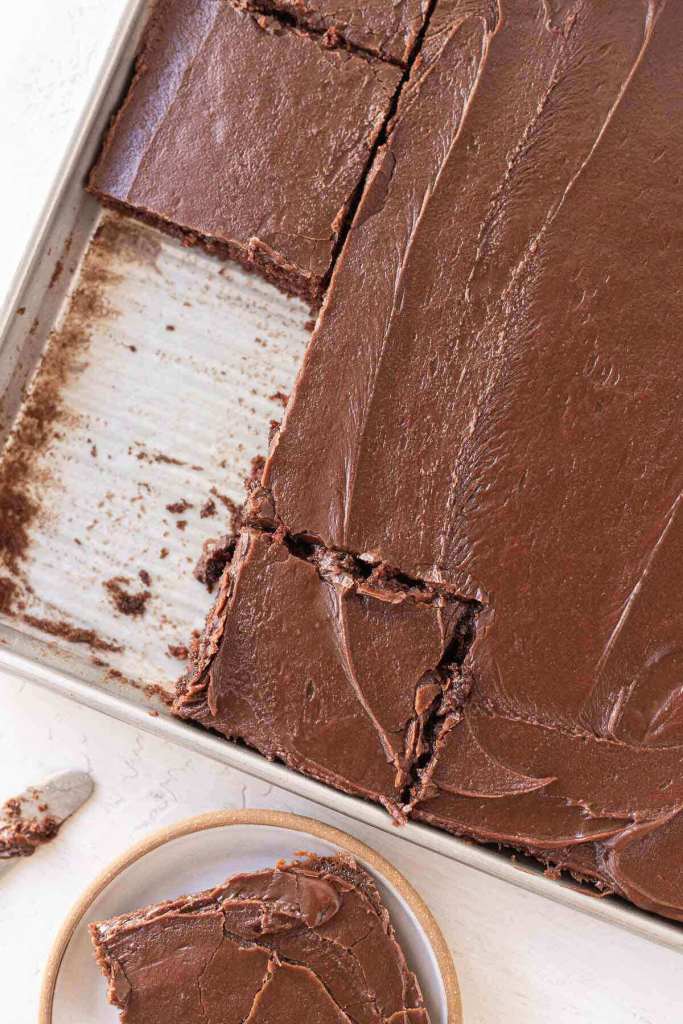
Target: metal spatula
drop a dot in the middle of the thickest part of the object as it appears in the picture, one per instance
(43, 808)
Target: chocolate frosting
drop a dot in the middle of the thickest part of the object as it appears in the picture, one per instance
(383, 28)
(308, 941)
(245, 135)
(502, 336)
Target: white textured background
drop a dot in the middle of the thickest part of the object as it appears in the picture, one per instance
(521, 960)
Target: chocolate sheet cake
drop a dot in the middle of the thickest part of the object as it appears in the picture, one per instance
(388, 29)
(306, 941)
(490, 408)
(246, 136)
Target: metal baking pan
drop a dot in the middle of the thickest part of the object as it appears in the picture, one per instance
(153, 372)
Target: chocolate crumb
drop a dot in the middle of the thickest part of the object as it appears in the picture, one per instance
(170, 327)
(17, 511)
(167, 460)
(258, 464)
(74, 634)
(233, 508)
(178, 651)
(8, 593)
(125, 602)
(154, 690)
(280, 397)
(181, 524)
(19, 836)
(12, 808)
(178, 507)
(309, 326)
(145, 577)
(208, 509)
(216, 554)
(56, 273)
(163, 553)
(21, 310)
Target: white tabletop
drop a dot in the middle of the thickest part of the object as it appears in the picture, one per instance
(521, 959)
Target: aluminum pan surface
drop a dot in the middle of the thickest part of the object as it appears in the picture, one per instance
(164, 372)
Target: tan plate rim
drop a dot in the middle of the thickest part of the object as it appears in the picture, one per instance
(279, 819)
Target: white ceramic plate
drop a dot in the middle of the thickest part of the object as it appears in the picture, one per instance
(201, 852)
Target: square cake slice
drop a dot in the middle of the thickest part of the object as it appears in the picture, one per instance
(245, 136)
(388, 29)
(326, 665)
(304, 941)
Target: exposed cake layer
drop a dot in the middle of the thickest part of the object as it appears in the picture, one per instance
(308, 941)
(491, 401)
(334, 671)
(245, 136)
(388, 29)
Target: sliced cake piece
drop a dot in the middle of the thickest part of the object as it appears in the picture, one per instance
(322, 663)
(388, 29)
(304, 941)
(245, 136)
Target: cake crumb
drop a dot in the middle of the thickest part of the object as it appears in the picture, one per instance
(74, 634)
(133, 604)
(154, 690)
(258, 464)
(21, 836)
(233, 508)
(8, 593)
(216, 554)
(56, 273)
(178, 651)
(177, 508)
